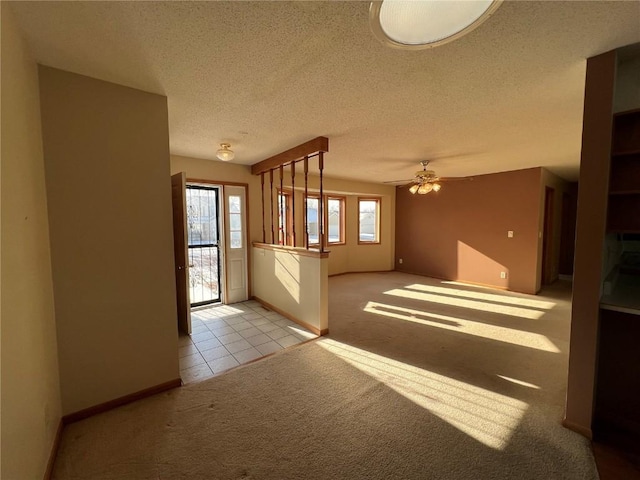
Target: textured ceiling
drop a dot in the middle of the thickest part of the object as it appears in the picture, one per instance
(266, 76)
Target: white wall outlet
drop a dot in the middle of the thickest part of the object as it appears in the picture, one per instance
(510, 233)
(503, 274)
(400, 261)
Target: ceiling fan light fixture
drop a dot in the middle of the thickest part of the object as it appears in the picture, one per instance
(414, 188)
(418, 24)
(436, 187)
(425, 188)
(225, 153)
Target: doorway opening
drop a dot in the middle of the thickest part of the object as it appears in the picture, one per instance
(549, 261)
(203, 243)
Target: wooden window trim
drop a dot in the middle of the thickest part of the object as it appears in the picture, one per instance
(288, 237)
(343, 205)
(378, 200)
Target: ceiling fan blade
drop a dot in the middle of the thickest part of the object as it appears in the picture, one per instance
(400, 181)
(453, 179)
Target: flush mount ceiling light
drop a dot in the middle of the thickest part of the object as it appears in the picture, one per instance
(417, 24)
(225, 153)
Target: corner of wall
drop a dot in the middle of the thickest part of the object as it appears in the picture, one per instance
(31, 404)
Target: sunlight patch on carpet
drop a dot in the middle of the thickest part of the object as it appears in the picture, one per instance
(488, 417)
(465, 303)
(519, 382)
(488, 297)
(460, 325)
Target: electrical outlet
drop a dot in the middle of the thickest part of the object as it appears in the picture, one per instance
(400, 261)
(510, 233)
(503, 274)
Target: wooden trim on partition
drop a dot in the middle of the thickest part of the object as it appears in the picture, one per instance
(118, 402)
(318, 144)
(54, 451)
(311, 328)
(297, 250)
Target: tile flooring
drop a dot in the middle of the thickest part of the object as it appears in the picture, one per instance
(225, 336)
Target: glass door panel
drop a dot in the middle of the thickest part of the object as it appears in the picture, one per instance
(204, 244)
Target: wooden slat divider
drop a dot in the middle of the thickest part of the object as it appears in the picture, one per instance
(264, 233)
(293, 204)
(318, 144)
(306, 199)
(282, 220)
(321, 203)
(273, 240)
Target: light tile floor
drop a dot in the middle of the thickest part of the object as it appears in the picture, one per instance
(225, 336)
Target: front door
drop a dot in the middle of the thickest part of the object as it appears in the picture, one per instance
(178, 182)
(203, 233)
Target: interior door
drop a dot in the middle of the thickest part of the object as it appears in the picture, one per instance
(237, 285)
(178, 197)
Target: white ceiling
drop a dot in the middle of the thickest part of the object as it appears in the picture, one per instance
(266, 76)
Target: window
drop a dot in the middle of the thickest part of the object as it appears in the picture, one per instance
(369, 220)
(335, 220)
(313, 217)
(284, 218)
(235, 221)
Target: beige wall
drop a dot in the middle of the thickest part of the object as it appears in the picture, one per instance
(343, 258)
(350, 257)
(108, 187)
(30, 383)
(294, 283)
(460, 233)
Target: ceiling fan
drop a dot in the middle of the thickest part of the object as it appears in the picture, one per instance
(426, 181)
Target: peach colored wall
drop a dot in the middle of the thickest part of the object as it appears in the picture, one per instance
(106, 150)
(31, 408)
(460, 233)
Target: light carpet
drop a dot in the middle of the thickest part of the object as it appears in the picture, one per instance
(419, 379)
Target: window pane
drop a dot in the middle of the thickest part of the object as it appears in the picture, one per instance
(235, 221)
(202, 222)
(234, 204)
(334, 208)
(236, 239)
(368, 221)
(312, 220)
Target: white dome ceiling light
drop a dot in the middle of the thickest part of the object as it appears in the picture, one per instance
(418, 24)
(225, 153)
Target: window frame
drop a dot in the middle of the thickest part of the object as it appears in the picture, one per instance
(343, 205)
(378, 233)
(286, 231)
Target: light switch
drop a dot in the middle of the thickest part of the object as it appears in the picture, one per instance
(510, 233)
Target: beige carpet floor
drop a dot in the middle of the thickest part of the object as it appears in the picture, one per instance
(418, 379)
